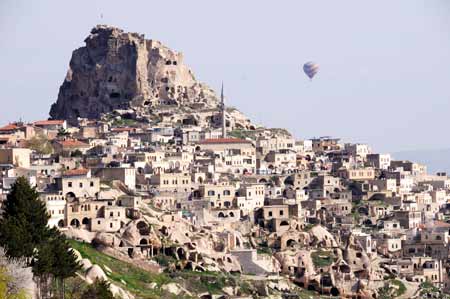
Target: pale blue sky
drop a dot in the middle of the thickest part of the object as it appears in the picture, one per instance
(385, 64)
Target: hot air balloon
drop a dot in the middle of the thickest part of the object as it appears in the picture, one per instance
(310, 68)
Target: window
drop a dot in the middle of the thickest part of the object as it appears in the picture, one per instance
(81, 185)
(69, 184)
(91, 184)
(98, 222)
(110, 225)
(281, 213)
(211, 193)
(270, 214)
(111, 214)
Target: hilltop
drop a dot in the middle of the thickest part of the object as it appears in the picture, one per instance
(135, 78)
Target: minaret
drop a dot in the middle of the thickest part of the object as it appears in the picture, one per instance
(222, 110)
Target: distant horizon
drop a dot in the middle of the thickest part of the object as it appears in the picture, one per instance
(383, 72)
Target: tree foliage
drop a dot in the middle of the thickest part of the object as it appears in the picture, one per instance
(76, 153)
(24, 222)
(63, 132)
(98, 290)
(24, 234)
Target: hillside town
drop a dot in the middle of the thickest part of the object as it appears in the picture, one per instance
(159, 172)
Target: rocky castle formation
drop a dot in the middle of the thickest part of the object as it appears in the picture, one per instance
(125, 71)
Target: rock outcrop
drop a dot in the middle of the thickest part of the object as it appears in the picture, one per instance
(116, 70)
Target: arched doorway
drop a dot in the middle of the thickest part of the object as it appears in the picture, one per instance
(61, 223)
(143, 228)
(70, 196)
(75, 223)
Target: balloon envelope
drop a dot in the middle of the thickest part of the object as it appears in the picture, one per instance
(310, 69)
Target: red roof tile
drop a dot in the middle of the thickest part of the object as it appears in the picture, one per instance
(48, 122)
(76, 172)
(9, 127)
(73, 143)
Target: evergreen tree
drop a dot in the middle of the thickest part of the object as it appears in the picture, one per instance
(24, 223)
(43, 268)
(65, 264)
(62, 132)
(24, 233)
(55, 260)
(98, 290)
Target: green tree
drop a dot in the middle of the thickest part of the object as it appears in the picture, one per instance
(24, 222)
(62, 132)
(42, 268)
(24, 234)
(66, 264)
(98, 290)
(55, 260)
(76, 153)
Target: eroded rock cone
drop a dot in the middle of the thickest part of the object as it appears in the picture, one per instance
(120, 70)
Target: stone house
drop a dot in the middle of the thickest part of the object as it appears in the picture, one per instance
(219, 195)
(325, 144)
(249, 197)
(119, 139)
(56, 208)
(126, 175)
(96, 215)
(282, 160)
(66, 147)
(235, 161)
(357, 174)
(358, 149)
(172, 181)
(379, 161)
(416, 169)
(19, 157)
(78, 183)
(51, 125)
(273, 217)
(275, 143)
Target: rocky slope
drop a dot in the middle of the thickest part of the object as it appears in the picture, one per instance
(119, 70)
